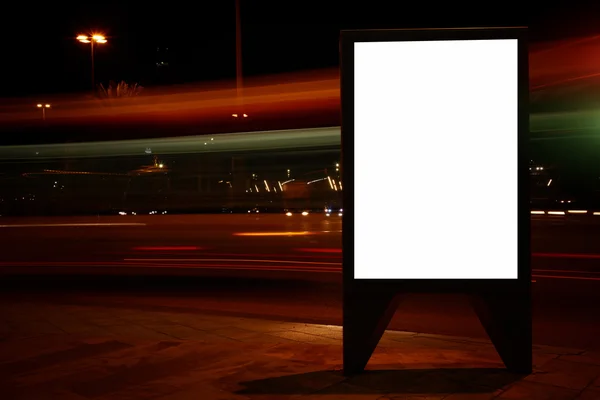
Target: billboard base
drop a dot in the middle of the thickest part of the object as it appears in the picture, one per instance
(506, 317)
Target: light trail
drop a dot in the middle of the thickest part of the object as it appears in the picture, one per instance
(320, 250)
(566, 255)
(167, 248)
(234, 264)
(231, 260)
(259, 234)
(579, 278)
(72, 225)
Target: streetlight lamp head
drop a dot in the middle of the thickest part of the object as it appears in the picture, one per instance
(47, 106)
(93, 38)
(39, 106)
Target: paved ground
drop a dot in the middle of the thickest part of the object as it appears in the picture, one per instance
(76, 352)
(565, 313)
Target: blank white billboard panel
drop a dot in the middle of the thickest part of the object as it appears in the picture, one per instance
(435, 143)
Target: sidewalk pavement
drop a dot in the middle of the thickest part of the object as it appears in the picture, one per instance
(78, 352)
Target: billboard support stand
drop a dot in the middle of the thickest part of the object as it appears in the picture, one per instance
(507, 320)
(366, 316)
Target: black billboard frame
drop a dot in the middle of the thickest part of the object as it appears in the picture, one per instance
(504, 305)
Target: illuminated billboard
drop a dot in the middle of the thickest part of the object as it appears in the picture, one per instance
(435, 135)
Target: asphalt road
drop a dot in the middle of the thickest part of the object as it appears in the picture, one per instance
(278, 267)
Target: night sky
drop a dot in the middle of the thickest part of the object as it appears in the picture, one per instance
(40, 54)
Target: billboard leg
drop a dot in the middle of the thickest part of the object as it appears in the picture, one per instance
(366, 316)
(506, 318)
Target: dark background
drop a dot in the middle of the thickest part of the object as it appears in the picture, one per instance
(40, 54)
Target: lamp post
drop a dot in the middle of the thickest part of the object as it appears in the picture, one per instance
(238, 62)
(43, 107)
(91, 39)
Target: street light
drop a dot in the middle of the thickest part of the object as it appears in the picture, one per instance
(238, 62)
(43, 107)
(91, 39)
